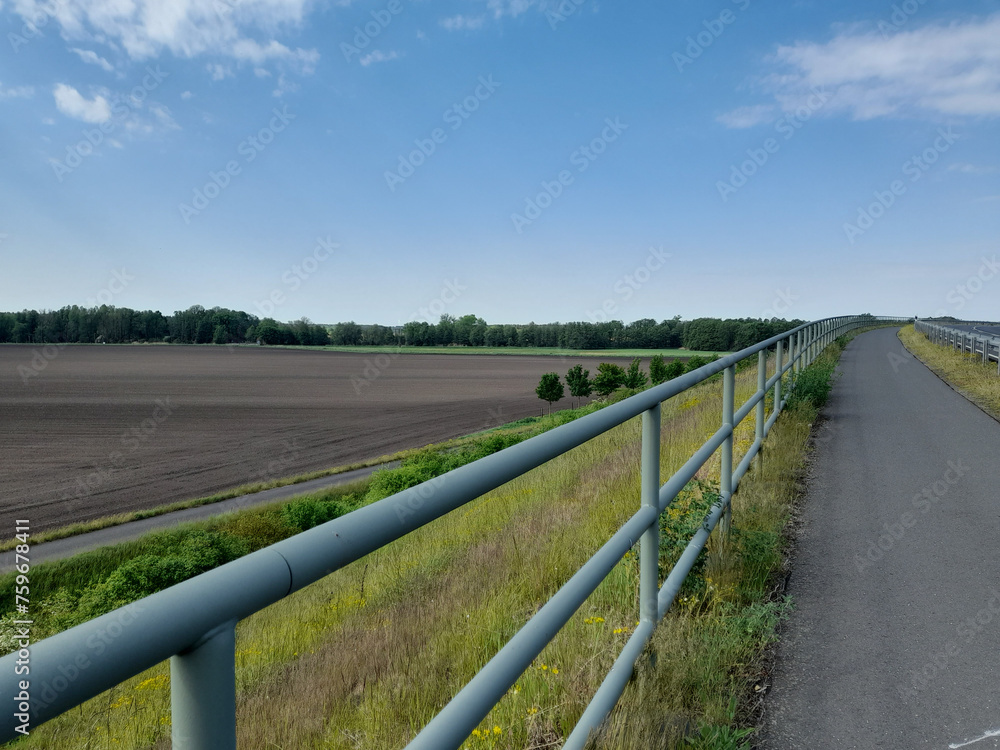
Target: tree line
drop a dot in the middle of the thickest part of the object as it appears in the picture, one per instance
(119, 325)
(198, 325)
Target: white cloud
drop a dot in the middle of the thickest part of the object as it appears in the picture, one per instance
(243, 30)
(219, 72)
(186, 95)
(966, 168)
(511, 8)
(378, 55)
(91, 57)
(17, 92)
(462, 23)
(747, 117)
(938, 70)
(73, 104)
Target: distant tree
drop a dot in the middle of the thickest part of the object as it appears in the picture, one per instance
(220, 335)
(609, 377)
(657, 370)
(578, 381)
(634, 377)
(550, 388)
(675, 369)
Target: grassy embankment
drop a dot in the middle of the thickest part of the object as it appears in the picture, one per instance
(364, 657)
(964, 372)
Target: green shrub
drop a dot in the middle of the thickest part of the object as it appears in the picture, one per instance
(308, 512)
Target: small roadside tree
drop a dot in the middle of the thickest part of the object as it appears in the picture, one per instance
(609, 377)
(675, 369)
(634, 377)
(578, 381)
(550, 388)
(657, 370)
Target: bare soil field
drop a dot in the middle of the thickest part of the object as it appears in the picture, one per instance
(88, 431)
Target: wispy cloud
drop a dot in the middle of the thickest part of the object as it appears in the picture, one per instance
(17, 92)
(73, 104)
(92, 58)
(463, 23)
(243, 30)
(966, 168)
(377, 56)
(747, 117)
(938, 70)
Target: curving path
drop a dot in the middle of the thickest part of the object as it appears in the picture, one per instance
(894, 641)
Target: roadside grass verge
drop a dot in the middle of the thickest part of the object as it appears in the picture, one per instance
(364, 657)
(702, 680)
(964, 372)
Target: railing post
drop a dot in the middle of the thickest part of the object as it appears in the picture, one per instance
(761, 389)
(203, 693)
(777, 383)
(726, 470)
(649, 544)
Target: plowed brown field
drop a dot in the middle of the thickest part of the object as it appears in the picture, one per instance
(86, 431)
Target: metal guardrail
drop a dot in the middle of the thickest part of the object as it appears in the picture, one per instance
(974, 342)
(194, 623)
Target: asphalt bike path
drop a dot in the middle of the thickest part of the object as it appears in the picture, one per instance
(894, 639)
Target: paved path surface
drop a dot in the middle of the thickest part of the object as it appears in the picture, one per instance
(894, 641)
(60, 548)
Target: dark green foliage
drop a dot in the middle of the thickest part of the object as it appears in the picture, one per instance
(550, 388)
(634, 377)
(308, 512)
(609, 378)
(657, 370)
(578, 381)
(675, 369)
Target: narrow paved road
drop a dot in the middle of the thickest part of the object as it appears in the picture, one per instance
(894, 641)
(74, 545)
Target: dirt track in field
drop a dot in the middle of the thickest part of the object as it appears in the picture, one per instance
(107, 429)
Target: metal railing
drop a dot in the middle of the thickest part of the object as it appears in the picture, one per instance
(974, 342)
(194, 623)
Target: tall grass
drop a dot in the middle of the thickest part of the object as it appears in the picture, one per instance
(366, 656)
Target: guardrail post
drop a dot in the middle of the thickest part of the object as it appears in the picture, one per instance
(777, 369)
(761, 389)
(726, 470)
(203, 693)
(649, 544)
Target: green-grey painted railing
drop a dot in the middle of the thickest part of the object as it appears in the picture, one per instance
(975, 342)
(194, 623)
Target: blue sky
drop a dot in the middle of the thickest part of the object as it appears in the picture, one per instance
(517, 159)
